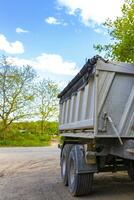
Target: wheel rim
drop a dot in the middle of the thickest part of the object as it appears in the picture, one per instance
(72, 171)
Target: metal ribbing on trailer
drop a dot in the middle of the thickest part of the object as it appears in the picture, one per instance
(81, 78)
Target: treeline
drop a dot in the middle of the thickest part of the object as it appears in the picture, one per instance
(27, 104)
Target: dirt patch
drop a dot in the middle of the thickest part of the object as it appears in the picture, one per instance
(34, 174)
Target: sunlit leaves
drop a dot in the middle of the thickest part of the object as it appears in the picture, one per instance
(122, 35)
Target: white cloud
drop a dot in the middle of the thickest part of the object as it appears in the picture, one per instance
(62, 84)
(52, 63)
(100, 31)
(53, 20)
(20, 30)
(97, 30)
(10, 47)
(96, 10)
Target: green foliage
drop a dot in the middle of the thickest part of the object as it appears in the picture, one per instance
(122, 34)
(16, 94)
(47, 92)
(47, 109)
(29, 134)
(25, 142)
(21, 99)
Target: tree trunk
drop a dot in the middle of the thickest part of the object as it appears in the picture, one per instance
(42, 125)
(4, 129)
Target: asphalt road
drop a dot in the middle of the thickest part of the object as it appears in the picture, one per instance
(34, 174)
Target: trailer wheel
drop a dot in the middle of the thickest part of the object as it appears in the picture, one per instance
(79, 184)
(64, 159)
(130, 169)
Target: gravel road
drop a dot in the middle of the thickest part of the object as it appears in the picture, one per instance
(34, 174)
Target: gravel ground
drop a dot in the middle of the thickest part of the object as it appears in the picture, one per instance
(34, 174)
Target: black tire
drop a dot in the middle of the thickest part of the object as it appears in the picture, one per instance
(79, 184)
(64, 160)
(130, 169)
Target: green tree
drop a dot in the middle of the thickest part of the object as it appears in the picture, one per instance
(47, 102)
(15, 92)
(121, 31)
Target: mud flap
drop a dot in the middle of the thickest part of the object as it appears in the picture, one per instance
(81, 166)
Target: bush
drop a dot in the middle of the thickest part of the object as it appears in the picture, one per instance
(29, 134)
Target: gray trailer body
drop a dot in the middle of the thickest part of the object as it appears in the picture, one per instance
(103, 105)
(97, 123)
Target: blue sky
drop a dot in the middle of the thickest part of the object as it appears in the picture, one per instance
(54, 36)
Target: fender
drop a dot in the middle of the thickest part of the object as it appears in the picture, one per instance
(81, 165)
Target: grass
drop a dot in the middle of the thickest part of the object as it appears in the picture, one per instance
(28, 134)
(26, 140)
(24, 143)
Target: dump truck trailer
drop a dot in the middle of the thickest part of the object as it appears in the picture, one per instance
(97, 123)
